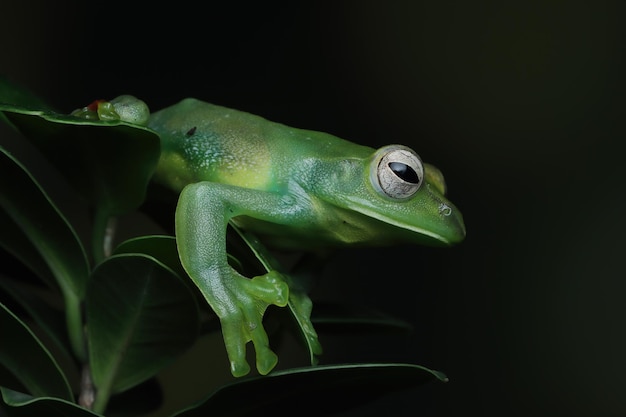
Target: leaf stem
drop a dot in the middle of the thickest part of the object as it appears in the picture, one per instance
(74, 320)
(101, 400)
(87, 391)
(109, 235)
(104, 228)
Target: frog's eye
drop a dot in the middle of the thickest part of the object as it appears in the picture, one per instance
(396, 172)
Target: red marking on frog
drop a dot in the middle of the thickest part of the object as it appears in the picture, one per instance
(93, 106)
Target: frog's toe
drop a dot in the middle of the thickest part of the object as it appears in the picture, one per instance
(266, 360)
(270, 288)
(244, 325)
(242, 320)
(239, 368)
(235, 342)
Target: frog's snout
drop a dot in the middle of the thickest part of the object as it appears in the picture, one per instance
(455, 226)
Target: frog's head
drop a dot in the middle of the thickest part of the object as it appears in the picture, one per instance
(414, 194)
(395, 188)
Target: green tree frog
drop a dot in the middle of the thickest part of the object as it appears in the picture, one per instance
(296, 189)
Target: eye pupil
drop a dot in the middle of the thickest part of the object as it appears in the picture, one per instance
(404, 172)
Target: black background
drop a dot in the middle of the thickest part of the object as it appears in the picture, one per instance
(520, 104)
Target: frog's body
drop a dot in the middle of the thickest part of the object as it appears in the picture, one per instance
(317, 171)
(297, 189)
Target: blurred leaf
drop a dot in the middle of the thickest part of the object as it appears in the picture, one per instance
(22, 405)
(163, 248)
(15, 242)
(28, 360)
(11, 93)
(140, 317)
(316, 390)
(28, 206)
(50, 320)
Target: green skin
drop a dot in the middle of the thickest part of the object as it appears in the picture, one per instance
(295, 188)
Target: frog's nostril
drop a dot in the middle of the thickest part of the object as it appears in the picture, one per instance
(445, 210)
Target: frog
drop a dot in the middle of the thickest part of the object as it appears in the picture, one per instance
(296, 189)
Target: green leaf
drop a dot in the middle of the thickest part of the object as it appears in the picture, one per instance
(27, 205)
(140, 317)
(13, 94)
(49, 319)
(108, 162)
(22, 405)
(13, 240)
(160, 247)
(28, 360)
(163, 248)
(317, 390)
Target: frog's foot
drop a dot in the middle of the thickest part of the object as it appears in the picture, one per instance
(125, 108)
(301, 306)
(241, 316)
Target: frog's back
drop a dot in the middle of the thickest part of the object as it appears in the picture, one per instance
(205, 142)
(201, 141)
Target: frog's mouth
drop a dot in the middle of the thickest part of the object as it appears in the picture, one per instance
(446, 230)
(428, 218)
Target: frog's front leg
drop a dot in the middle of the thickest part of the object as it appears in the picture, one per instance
(202, 215)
